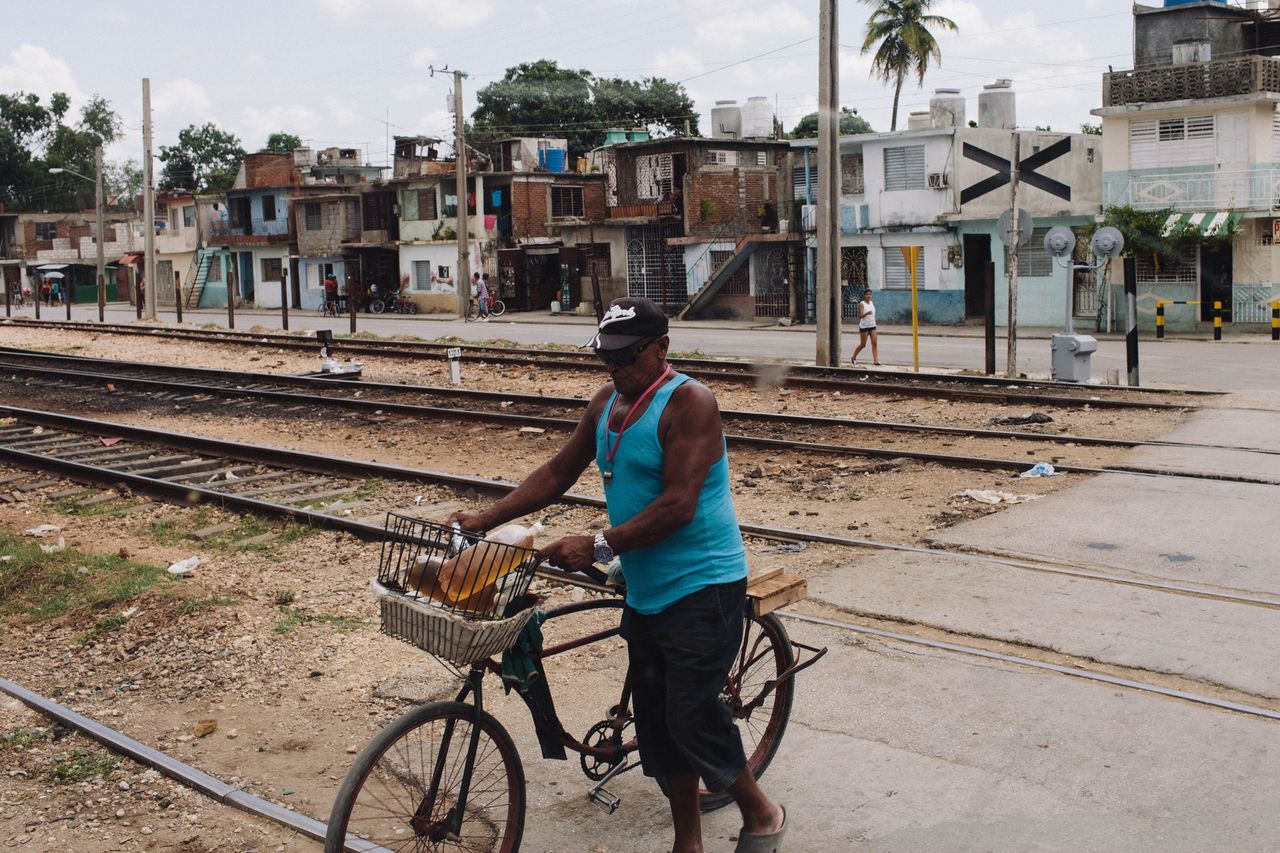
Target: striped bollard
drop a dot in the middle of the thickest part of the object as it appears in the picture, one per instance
(1275, 319)
(1159, 321)
(1217, 320)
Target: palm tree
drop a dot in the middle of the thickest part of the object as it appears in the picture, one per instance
(900, 27)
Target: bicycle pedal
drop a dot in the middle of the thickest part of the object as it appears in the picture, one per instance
(606, 801)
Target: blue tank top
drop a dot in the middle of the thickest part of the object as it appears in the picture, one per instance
(706, 551)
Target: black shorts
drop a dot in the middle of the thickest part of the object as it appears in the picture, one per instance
(679, 659)
(863, 331)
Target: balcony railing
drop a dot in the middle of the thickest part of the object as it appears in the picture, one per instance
(1218, 78)
(644, 211)
(1210, 189)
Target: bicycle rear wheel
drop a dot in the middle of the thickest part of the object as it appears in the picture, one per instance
(497, 307)
(761, 719)
(403, 791)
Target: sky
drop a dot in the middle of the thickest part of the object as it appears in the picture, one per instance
(354, 72)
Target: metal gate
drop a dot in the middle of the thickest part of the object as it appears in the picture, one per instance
(654, 269)
(853, 279)
(1251, 303)
(773, 283)
(1084, 293)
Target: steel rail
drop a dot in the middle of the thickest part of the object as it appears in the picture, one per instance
(793, 375)
(1061, 669)
(758, 442)
(185, 774)
(316, 463)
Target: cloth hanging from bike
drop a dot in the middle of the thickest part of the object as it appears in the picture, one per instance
(523, 672)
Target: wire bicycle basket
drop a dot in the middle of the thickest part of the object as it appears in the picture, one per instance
(455, 595)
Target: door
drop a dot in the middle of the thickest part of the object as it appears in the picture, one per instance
(1215, 282)
(977, 254)
(1231, 141)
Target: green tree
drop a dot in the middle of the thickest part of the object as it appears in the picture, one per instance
(282, 143)
(850, 123)
(205, 159)
(1091, 129)
(542, 99)
(35, 138)
(898, 32)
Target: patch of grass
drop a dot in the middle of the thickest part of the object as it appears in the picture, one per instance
(71, 505)
(285, 597)
(39, 586)
(178, 532)
(195, 605)
(82, 764)
(102, 627)
(695, 354)
(367, 489)
(23, 738)
(292, 618)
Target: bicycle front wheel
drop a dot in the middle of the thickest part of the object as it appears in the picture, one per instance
(410, 790)
(497, 308)
(377, 306)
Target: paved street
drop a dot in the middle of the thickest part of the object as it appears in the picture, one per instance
(1244, 363)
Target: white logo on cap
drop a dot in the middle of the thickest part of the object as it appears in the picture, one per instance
(616, 314)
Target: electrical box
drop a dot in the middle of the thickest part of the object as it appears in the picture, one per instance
(1070, 357)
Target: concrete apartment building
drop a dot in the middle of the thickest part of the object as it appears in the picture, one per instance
(936, 186)
(1193, 128)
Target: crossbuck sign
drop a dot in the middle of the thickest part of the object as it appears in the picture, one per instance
(1026, 171)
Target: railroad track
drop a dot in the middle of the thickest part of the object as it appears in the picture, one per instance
(847, 380)
(756, 430)
(327, 491)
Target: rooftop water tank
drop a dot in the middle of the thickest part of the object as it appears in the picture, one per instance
(946, 108)
(757, 118)
(638, 135)
(726, 120)
(615, 136)
(918, 121)
(996, 106)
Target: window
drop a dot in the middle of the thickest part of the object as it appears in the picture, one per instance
(427, 204)
(1179, 268)
(566, 202)
(268, 208)
(1033, 260)
(173, 219)
(1171, 142)
(720, 157)
(215, 269)
(189, 216)
(240, 215)
(422, 275)
(272, 269)
(852, 181)
(904, 168)
(595, 258)
(46, 230)
(739, 284)
(311, 212)
(896, 274)
(450, 205)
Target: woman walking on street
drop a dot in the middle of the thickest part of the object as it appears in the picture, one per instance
(867, 329)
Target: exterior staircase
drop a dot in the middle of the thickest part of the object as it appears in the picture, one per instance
(742, 252)
(197, 277)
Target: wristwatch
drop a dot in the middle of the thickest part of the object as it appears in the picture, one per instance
(603, 553)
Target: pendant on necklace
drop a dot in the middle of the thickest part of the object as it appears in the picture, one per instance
(608, 475)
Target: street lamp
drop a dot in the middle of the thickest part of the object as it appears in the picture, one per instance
(97, 203)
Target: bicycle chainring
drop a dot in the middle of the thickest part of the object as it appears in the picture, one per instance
(602, 734)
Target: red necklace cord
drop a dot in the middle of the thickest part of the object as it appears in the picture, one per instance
(610, 453)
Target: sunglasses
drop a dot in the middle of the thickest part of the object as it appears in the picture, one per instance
(624, 357)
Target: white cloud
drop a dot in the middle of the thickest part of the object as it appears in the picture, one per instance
(763, 28)
(177, 103)
(253, 62)
(442, 14)
(30, 68)
(113, 15)
(424, 57)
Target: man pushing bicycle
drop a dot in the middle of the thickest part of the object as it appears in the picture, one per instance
(657, 439)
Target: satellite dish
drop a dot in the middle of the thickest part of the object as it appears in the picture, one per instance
(1059, 241)
(1107, 243)
(1010, 235)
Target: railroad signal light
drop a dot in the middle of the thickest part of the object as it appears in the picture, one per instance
(1107, 243)
(1059, 241)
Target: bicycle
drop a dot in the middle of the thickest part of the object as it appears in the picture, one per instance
(496, 309)
(331, 308)
(447, 774)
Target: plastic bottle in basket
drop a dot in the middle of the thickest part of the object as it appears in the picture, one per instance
(469, 579)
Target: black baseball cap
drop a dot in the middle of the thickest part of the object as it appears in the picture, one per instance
(629, 320)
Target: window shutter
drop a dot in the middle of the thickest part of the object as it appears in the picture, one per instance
(422, 275)
(1142, 144)
(904, 168)
(896, 274)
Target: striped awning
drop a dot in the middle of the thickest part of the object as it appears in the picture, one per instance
(1210, 223)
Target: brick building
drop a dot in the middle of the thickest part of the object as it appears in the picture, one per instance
(695, 225)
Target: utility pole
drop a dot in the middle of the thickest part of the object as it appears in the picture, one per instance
(97, 204)
(148, 202)
(596, 301)
(1011, 357)
(828, 217)
(460, 155)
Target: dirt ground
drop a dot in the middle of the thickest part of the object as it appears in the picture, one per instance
(278, 641)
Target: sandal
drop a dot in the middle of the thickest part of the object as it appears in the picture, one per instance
(763, 842)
